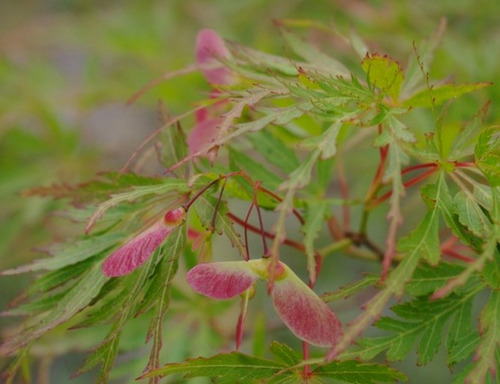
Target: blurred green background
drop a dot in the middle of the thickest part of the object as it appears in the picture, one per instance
(67, 67)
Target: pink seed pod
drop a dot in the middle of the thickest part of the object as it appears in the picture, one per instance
(222, 280)
(307, 316)
(203, 134)
(304, 313)
(210, 48)
(137, 251)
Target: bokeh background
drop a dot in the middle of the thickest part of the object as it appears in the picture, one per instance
(67, 68)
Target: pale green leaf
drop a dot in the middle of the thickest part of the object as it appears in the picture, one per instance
(78, 298)
(461, 339)
(172, 145)
(229, 368)
(159, 294)
(471, 215)
(301, 176)
(491, 271)
(424, 240)
(284, 353)
(167, 185)
(351, 289)
(384, 73)
(428, 278)
(421, 61)
(355, 372)
(274, 150)
(487, 153)
(422, 321)
(466, 139)
(314, 220)
(66, 254)
(485, 361)
(307, 51)
(239, 160)
(439, 94)
(326, 142)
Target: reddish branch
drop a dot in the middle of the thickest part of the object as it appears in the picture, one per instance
(254, 229)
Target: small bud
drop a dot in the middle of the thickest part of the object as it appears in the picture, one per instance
(175, 216)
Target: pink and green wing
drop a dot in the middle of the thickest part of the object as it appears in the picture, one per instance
(222, 280)
(135, 253)
(307, 316)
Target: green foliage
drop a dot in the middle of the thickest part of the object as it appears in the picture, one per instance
(296, 138)
(237, 367)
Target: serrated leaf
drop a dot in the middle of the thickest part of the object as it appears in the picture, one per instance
(161, 291)
(462, 339)
(229, 368)
(168, 185)
(424, 240)
(172, 144)
(420, 320)
(420, 63)
(284, 353)
(70, 304)
(350, 289)
(104, 355)
(438, 95)
(240, 160)
(97, 189)
(428, 278)
(356, 372)
(491, 271)
(65, 254)
(38, 305)
(384, 73)
(314, 220)
(445, 206)
(487, 153)
(308, 52)
(324, 170)
(487, 351)
(466, 139)
(326, 142)
(58, 277)
(301, 176)
(274, 150)
(471, 215)
(261, 62)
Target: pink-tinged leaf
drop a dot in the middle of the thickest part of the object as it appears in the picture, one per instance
(210, 48)
(135, 253)
(222, 280)
(203, 134)
(307, 316)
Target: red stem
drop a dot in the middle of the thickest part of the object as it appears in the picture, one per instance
(307, 368)
(275, 196)
(418, 166)
(409, 183)
(465, 164)
(456, 255)
(250, 227)
(247, 256)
